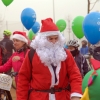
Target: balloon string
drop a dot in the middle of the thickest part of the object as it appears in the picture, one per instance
(5, 13)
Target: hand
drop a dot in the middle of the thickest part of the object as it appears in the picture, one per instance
(15, 58)
(75, 98)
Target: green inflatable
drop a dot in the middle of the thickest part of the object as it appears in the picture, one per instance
(94, 89)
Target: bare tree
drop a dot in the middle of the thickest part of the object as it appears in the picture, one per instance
(1, 21)
(69, 30)
(91, 4)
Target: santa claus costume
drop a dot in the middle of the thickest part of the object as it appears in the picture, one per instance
(53, 68)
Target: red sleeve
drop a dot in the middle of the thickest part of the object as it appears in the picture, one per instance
(7, 66)
(74, 74)
(24, 79)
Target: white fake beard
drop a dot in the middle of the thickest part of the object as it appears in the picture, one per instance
(48, 52)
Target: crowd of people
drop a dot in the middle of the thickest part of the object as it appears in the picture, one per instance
(54, 72)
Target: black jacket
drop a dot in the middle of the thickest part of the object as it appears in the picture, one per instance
(81, 63)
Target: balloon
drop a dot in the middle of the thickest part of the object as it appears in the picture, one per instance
(77, 26)
(7, 2)
(31, 35)
(36, 27)
(61, 24)
(94, 89)
(28, 18)
(91, 27)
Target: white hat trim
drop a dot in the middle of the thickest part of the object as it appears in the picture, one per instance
(49, 33)
(20, 37)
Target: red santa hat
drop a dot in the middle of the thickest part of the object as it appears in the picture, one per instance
(49, 28)
(20, 36)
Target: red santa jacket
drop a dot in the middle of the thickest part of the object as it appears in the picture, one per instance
(42, 78)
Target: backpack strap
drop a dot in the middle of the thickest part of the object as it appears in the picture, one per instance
(31, 55)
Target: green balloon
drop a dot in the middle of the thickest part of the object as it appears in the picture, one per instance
(7, 2)
(94, 89)
(77, 25)
(31, 35)
(61, 24)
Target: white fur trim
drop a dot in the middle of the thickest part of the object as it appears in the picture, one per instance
(57, 73)
(52, 76)
(52, 96)
(49, 33)
(76, 94)
(20, 37)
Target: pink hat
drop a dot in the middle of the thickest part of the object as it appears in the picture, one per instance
(48, 27)
(20, 36)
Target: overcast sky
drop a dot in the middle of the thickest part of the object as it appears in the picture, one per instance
(44, 9)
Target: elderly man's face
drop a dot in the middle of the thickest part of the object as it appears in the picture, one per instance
(53, 38)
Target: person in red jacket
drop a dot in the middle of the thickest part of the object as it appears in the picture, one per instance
(52, 69)
(15, 61)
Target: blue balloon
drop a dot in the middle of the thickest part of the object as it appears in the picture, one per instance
(91, 27)
(28, 18)
(36, 27)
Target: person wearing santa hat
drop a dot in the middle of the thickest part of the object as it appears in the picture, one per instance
(51, 70)
(15, 61)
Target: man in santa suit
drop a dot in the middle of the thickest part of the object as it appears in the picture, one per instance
(53, 68)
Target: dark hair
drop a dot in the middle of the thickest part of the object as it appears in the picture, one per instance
(26, 46)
